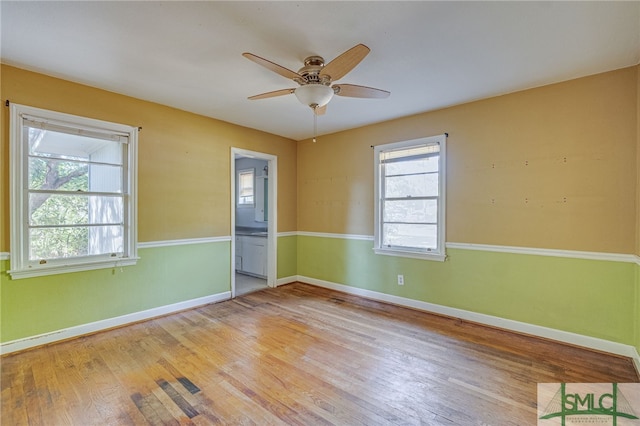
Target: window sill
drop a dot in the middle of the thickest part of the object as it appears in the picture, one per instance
(43, 270)
(438, 257)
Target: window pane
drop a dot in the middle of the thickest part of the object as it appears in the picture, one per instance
(106, 239)
(46, 173)
(408, 166)
(410, 236)
(74, 209)
(50, 243)
(245, 187)
(104, 209)
(246, 184)
(105, 178)
(60, 175)
(48, 143)
(415, 151)
(421, 211)
(421, 185)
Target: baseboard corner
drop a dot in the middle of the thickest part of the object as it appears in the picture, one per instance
(287, 280)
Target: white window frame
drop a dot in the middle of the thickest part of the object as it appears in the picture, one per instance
(439, 254)
(253, 188)
(21, 266)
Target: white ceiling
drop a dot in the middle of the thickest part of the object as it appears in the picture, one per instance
(428, 54)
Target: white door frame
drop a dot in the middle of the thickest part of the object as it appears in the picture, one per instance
(272, 212)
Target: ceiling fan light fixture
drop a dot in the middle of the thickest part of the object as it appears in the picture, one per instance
(314, 95)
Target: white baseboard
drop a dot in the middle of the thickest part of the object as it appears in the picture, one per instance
(93, 327)
(287, 280)
(517, 326)
(507, 324)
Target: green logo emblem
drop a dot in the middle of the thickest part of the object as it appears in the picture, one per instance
(586, 402)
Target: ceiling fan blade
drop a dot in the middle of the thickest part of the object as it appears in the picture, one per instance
(354, 91)
(280, 92)
(278, 69)
(320, 110)
(344, 63)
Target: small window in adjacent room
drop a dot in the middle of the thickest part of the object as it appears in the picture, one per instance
(73, 193)
(410, 198)
(246, 180)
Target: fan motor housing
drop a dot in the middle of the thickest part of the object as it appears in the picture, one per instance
(311, 71)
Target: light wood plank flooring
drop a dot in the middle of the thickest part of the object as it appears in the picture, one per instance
(295, 355)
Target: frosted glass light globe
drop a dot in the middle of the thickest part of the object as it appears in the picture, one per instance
(314, 95)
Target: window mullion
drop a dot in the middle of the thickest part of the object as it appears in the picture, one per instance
(74, 160)
(76, 193)
(412, 174)
(409, 198)
(76, 225)
(391, 222)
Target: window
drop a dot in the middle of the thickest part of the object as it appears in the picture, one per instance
(72, 193)
(246, 195)
(410, 198)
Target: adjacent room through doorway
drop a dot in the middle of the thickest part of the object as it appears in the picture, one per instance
(253, 221)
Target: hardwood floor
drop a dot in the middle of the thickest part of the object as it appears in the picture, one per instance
(295, 355)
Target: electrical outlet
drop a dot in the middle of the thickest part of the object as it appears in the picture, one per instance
(400, 279)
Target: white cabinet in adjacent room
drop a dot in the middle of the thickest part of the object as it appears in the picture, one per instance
(238, 253)
(252, 252)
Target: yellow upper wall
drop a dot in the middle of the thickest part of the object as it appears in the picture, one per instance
(184, 158)
(551, 167)
(638, 173)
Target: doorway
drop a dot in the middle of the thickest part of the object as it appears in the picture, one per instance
(253, 221)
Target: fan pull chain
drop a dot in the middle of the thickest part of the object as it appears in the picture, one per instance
(315, 124)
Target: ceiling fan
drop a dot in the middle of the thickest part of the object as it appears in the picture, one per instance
(315, 79)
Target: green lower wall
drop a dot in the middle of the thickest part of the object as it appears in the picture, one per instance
(589, 297)
(287, 256)
(637, 312)
(594, 298)
(163, 276)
